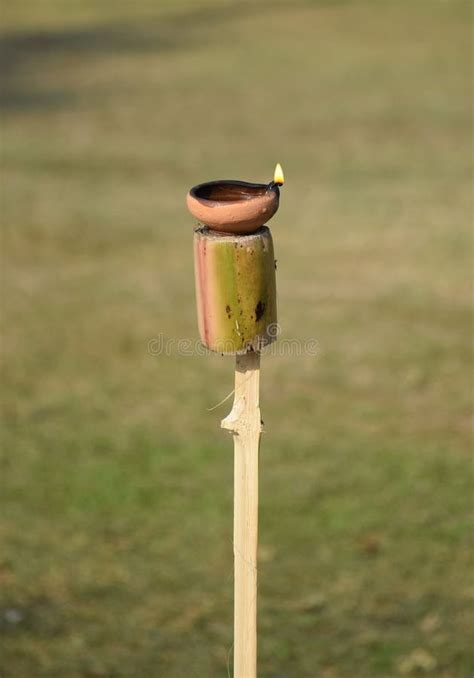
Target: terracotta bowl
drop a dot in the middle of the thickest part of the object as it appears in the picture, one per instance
(233, 206)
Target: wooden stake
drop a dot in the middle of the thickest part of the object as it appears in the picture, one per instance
(245, 424)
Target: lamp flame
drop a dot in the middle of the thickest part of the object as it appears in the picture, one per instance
(279, 177)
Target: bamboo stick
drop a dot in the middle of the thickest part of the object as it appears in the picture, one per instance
(245, 424)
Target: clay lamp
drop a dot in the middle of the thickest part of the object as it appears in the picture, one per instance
(236, 207)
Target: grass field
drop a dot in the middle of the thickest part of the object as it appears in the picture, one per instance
(116, 519)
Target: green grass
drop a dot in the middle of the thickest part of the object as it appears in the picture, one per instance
(116, 518)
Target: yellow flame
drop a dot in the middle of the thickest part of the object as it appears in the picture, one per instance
(279, 177)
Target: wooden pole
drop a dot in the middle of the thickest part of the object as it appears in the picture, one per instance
(245, 424)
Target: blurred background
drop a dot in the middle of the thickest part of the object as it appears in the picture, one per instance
(116, 519)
